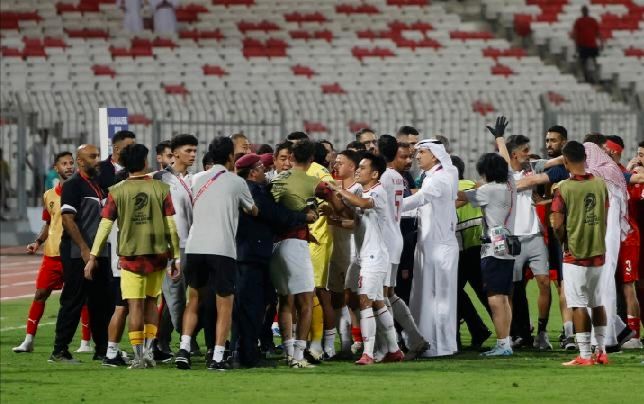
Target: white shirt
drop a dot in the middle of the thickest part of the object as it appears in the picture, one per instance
(526, 221)
(181, 193)
(344, 246)
(394, 186)
(438, 213)
(216, 212)
(369, 234)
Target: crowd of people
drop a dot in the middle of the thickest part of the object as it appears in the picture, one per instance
(373, 244)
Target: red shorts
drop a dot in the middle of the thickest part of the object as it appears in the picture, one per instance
(628, 263)
(50, 274)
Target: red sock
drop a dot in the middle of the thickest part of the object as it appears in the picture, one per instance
(357, 335)
(634, 324)
(35, 314)
(86, 332)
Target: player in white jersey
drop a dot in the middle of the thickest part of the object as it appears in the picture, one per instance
(344, 258)
(394, 186)
(374, 259)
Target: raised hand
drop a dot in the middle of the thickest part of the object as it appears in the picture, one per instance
(499, 127)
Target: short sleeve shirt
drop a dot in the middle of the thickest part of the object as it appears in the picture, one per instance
(292, 188)
(215, 212)
(394, 186)
(496, 201)
(84, 198)
(369, 235)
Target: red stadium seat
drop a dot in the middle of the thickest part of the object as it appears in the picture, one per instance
(176, 89)
(403, 3)
(311, 127)
(334, 88)
(501, 70)
(8, 52)
(229, 3)
(482, 107)
(300, 70)
(163, 43)
(214, 70)
(139, 119)
(103, 70)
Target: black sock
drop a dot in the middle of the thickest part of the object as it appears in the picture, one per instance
(543, 322)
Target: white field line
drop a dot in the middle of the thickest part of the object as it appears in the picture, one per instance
(55, 292)
(18, 274)
(17, 284)
(22, 327)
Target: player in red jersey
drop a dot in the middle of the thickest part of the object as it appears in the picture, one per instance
(50, 274)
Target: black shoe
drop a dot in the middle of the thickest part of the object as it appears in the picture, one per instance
(221, 366)
(624, 336)
(182, 360)
(209, 354)
(98, 357)
(160, 356)
(477, 342)
(114, 362)
(310, 358)
(63, 357)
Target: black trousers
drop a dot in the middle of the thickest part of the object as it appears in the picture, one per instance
(469, 270)
(520, 326)
(78, 290)
(253, 284)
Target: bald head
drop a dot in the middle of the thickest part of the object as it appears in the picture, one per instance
(87, 158)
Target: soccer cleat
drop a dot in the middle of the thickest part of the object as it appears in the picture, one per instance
(416, 349)
(148, 358)
(24, 347)
(569, 344)
(365, 360)
(625, 335)
(98, 357)
(137, 363)
(114, 362)
(633, 343)
(303, 364)
(160, 356)
(313, 357)
(601, 358)
(542, 342)
(521, 342)
(221, 366)
(356, 348)
(579, 361)
(391, 357)
(209, 354)
(276, 330)
(498, 351)
(63, 357)
(182, 360)
(85, 347)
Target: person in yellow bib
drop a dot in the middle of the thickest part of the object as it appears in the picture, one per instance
(147, 240)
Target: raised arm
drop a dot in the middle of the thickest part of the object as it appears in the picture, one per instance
(498, 131)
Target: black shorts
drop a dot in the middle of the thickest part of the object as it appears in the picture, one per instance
(115, 285)
(497, 275)
(555, 254)
(585, 52)
(216, 271)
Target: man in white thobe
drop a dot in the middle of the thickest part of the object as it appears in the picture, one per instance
(435, 284)
(132, 20)
(165, 19)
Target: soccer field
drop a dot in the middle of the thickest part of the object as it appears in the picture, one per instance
(529, 376)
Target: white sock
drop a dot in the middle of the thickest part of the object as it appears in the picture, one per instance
(112, 350)
(343, 330)
(368, 330)
(29, 338)
(583, 341)
(218, 354)
(294, 330)
(403, 316)
(298, 350)
(568, 329)
(288, 347)
(600, 335)
(386, 323)
(329, 341)
(84, 343)
(185, 342)
(316, 346)
(504, 343)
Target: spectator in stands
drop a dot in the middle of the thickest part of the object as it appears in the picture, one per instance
(587, 38)
(165, 19)
(132, 20)
(4, 182)
(368, 138)
(164, 155)
(242, 145)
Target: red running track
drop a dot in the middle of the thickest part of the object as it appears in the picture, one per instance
(18, 272)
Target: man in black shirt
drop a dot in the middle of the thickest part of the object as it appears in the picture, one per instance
(81, 204)
(108, 168)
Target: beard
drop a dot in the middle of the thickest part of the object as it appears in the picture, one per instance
(91, 171)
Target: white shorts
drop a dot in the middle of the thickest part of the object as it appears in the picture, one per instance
(338, 269)
(581, 285)
(390, 281)
(371, 284)
(291, 267)
(352, 278)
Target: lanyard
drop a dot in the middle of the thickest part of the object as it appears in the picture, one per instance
(186, 187)
(97, 190)
(206, 185)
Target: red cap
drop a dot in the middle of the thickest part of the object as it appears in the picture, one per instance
(247, 161)
(267, 159)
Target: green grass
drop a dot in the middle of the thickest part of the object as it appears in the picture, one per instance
(527, 377)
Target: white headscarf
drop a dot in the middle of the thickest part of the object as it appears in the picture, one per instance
(438, 150)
